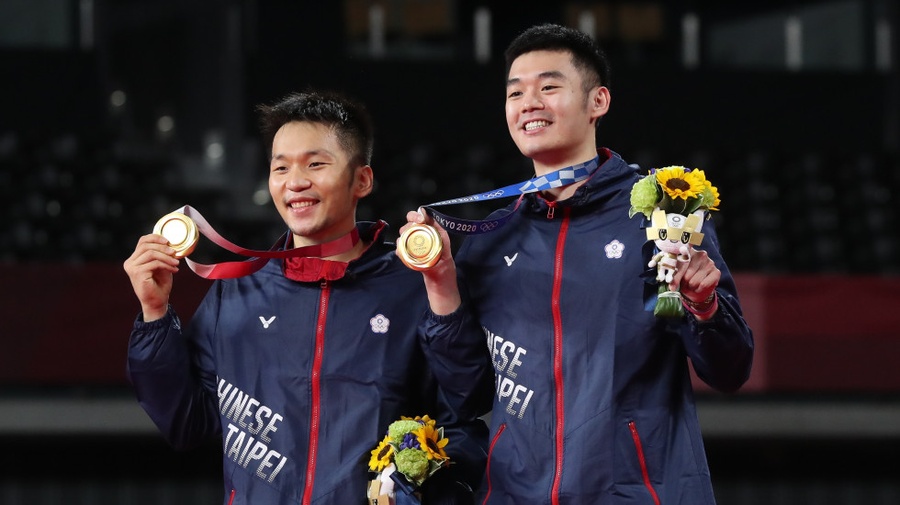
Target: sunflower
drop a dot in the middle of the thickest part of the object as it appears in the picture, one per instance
(425, 420)
(381, 456)
(432, 442)
(678, 182)
(710, 196)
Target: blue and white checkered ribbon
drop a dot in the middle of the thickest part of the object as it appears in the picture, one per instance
(557, 179)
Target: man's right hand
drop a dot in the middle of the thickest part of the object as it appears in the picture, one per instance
(150, 268)
(440, 280)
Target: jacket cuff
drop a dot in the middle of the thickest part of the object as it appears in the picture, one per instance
(457, 315)
(165, 321)
(722, 316)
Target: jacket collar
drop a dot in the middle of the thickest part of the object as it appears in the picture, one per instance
(317, 269)
(605, 181)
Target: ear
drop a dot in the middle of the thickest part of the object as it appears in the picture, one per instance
(363, 181)
(598, 101)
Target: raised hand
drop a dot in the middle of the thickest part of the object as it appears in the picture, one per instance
(151, 268)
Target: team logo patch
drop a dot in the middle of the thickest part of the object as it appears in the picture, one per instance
(380, 324)
(614, 249)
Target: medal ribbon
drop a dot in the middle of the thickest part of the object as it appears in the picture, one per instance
(557, 179)
(258, 258)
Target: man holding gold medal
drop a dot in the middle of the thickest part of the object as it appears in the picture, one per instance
(301, 361)
(593, 400)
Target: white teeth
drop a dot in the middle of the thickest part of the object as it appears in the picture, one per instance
(298, 205)
(531, 125)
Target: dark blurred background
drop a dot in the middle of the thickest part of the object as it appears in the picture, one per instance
(113, 113)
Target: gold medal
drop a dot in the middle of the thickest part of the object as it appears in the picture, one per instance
(420, 247)
(180, 231)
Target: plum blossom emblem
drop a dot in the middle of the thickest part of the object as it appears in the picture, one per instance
(380, 324)
(614, 249)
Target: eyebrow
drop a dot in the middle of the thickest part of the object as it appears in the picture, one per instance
(549, 74)
(311, 152)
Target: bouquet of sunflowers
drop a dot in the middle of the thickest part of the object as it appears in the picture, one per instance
(676, 200)
(410, 452)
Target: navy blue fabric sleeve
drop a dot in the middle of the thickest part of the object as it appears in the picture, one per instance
(177, 395)
(721, 348)
(458, 356)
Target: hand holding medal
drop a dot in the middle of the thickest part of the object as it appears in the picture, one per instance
(420, 245)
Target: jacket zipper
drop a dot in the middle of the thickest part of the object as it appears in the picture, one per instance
(487, 468)
(231, 498)
(557, 351)
(315, 378)
(643, 461)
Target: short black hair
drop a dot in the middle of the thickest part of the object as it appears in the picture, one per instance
(587, 56)
(349, 119)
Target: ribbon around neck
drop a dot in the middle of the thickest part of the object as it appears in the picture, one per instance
(258, 258)
(560, 178)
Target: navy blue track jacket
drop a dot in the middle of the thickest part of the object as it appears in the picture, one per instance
(301, 379)
(593, 400)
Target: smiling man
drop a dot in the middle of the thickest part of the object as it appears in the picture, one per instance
(593, 401)
(302, 365)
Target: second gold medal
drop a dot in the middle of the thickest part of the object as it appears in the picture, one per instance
(420, 247)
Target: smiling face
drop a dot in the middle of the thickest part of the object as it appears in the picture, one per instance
(312, 183)
(550, 116)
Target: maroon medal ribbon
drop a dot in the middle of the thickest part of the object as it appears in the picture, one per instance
(258, 258)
